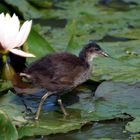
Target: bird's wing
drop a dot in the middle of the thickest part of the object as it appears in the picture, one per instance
(56, 71)
(69, 68)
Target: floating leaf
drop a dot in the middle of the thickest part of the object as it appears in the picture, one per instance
(134, 126)
(5, 85)
(121, 66)
(14, 107)
(7, 129)
(3, 8)
(26, 9)
(118, 97)
(73, 46)
(38, 45)
(108, 103)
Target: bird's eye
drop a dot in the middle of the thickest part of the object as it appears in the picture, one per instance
(96, 49)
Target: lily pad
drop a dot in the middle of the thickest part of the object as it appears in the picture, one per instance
(88, 25)
(7, 129)
(119, 97)
(121, 66)
(5, 85)
(38, 45)
(26, 9)
(14, 108)
(3, 8)
(108, 103)
(134, 126)
(106, 130)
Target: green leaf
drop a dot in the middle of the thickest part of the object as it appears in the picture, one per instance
(100, 139)
(112, 100)
(118, 97)
(73, 46)
(14, 108)
(38, 45)
(7, 129)
(42, 3)
(134, 126)
(121, 65)
(5, 85)
(48, 125)
(26, 9)
(109, 103)
(3, 8)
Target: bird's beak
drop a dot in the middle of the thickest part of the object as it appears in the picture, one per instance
(102, 53)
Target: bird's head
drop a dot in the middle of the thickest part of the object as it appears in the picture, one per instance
(92, 50)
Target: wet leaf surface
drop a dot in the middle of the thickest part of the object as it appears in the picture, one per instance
(96, 131)
(7, 129)
(38, 45)
(134, 128)
(27, 10)
(14, 108)
(108, 103)
(5, 85)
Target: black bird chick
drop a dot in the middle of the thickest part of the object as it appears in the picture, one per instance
(61, 72)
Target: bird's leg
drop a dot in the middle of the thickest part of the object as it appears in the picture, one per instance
(62, 107)
(41, 103)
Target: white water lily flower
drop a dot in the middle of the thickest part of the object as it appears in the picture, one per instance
(12, 36)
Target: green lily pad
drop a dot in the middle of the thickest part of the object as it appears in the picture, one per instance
(7, 129)
(100, 139)
(83, 26)
(14, 108)
(38, 45)
(135, 137)
(119, 97)
(5, 85)
(136, 1)
(3, 8)
(96, 131)
(134, 126)
(123, 66)
(108, 103)
(42, 3)
(26, 9)
(73, 46)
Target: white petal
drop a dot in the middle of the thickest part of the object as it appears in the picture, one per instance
(21, 53)
(5, 31)
(10, 32)
(2, 14)
(15, 24)
(7, 17)
(10, 35)
(23, 33)
(2, 19)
